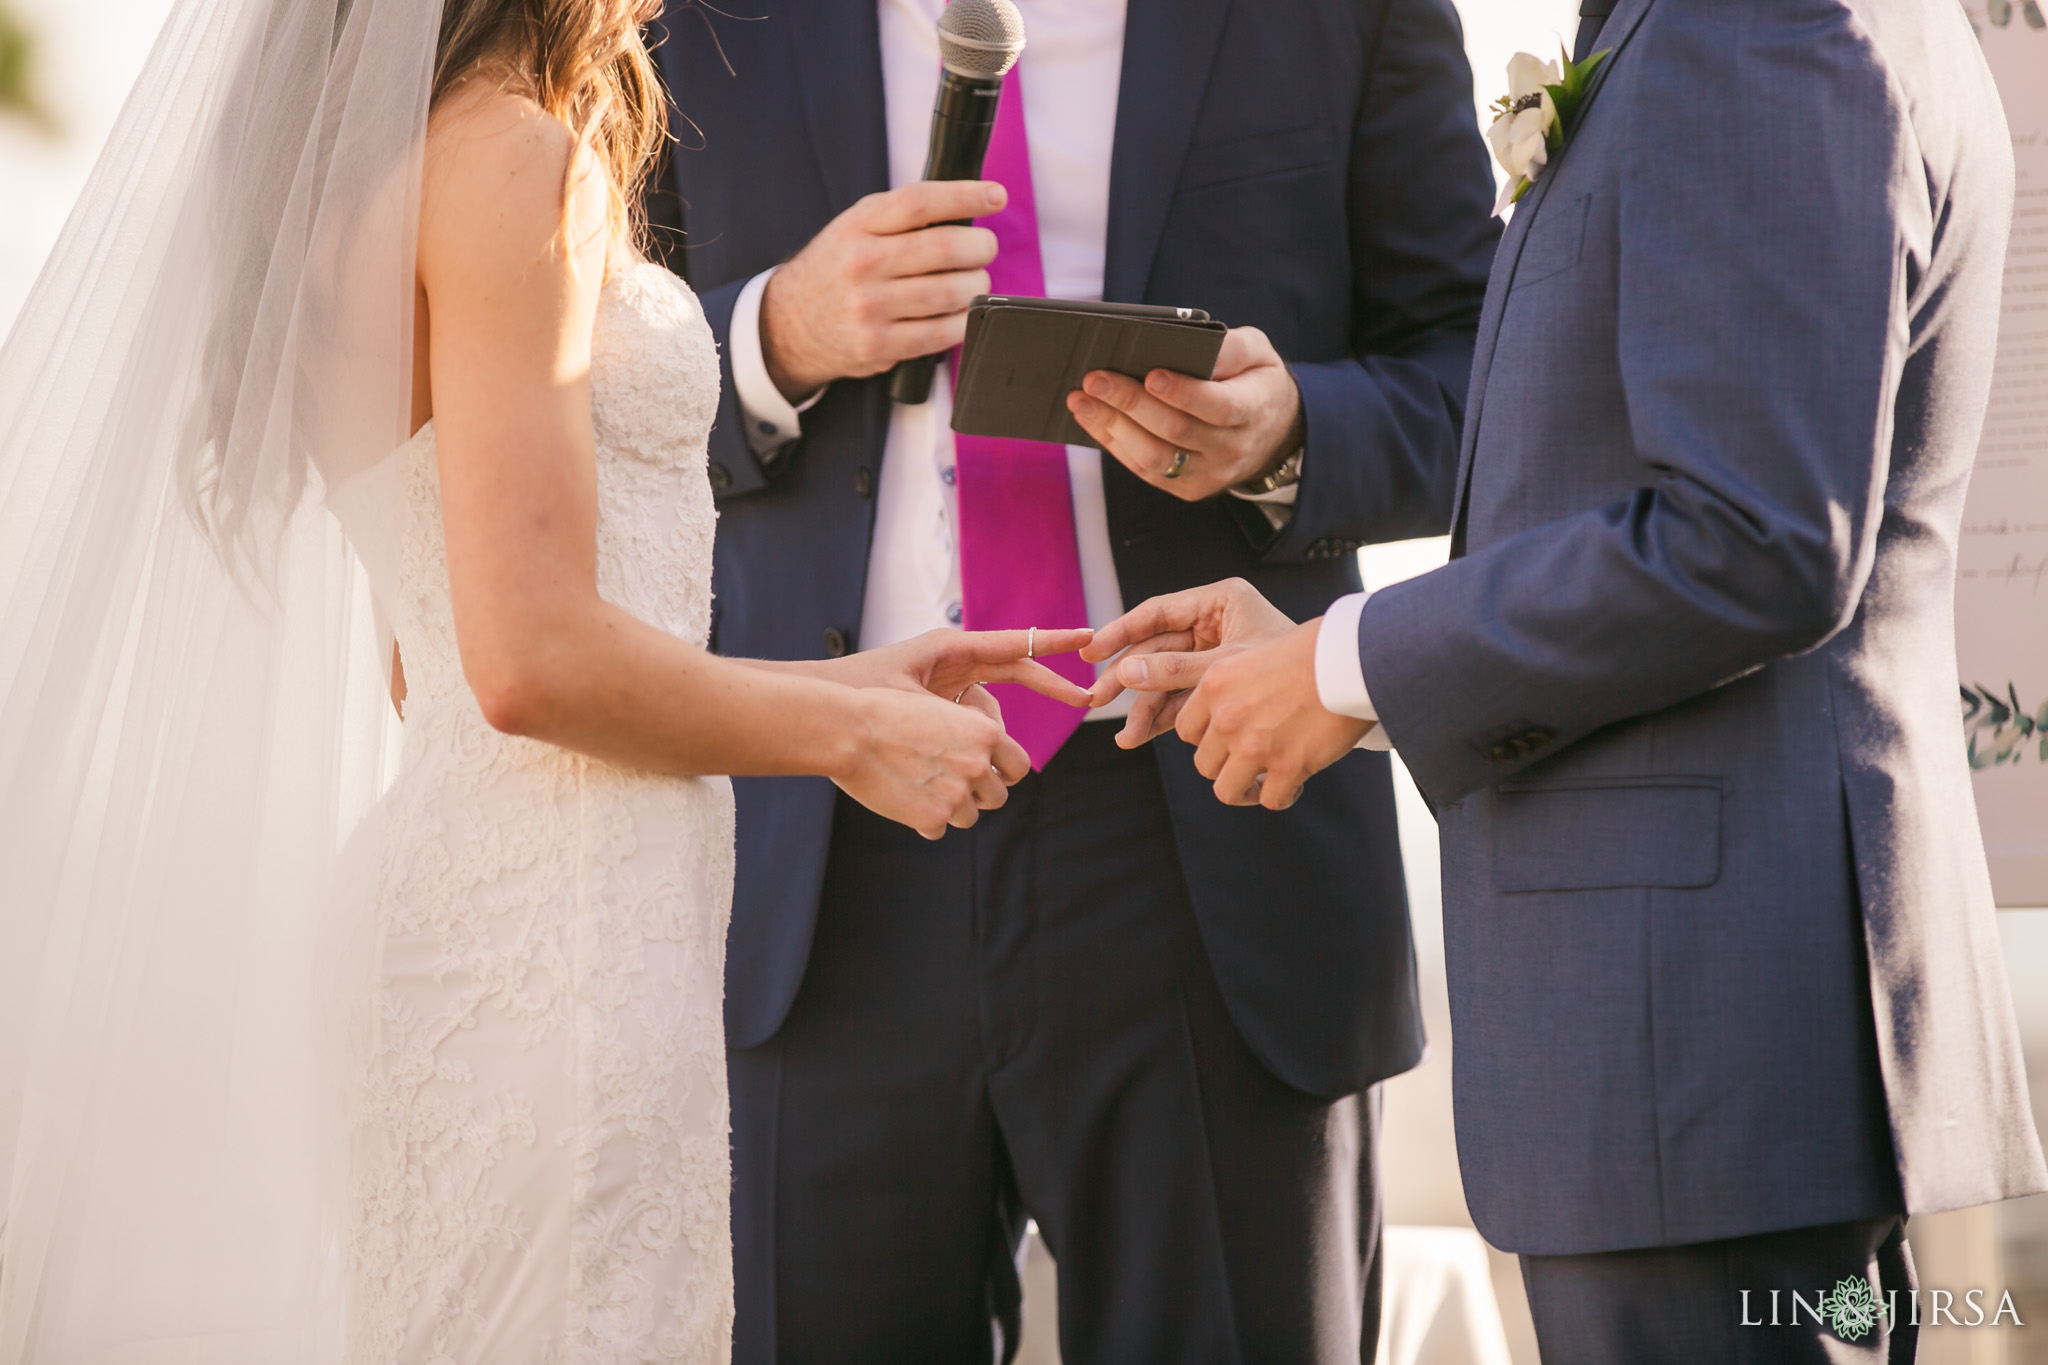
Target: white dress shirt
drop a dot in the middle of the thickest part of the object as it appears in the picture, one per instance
(1340, 674)
(1070, 74)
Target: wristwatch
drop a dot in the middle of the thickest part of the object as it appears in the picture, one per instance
(1283, 475)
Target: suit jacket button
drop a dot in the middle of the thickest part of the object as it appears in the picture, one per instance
(1319, 549)
(1503, 752)
(835, 643)
(864, 482)
(721, 478)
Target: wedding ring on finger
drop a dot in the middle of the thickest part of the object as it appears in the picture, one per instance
(1180, 462)
(1031, 643)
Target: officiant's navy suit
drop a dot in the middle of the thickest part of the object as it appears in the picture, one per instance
(1312, 168)
(1724, 966)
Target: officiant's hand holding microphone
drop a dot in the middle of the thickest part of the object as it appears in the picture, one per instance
(1236, 678)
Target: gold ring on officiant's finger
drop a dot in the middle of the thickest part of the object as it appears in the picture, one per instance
(1031, 643)
(1180, 462)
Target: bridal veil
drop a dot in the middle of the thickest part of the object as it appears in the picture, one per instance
(192, 718)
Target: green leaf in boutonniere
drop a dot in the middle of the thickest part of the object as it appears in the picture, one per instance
(17, 84)
(1538, 115)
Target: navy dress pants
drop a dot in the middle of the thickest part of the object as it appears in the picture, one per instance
(1018, 1021)
(1685, 1305)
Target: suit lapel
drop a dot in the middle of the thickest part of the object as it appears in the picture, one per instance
(1169, 47)
(838, 50)
(1620, 27)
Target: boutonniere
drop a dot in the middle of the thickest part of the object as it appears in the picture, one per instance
(1532, 121)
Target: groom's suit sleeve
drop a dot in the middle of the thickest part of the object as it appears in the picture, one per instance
(1766, 246)
(1383, 422)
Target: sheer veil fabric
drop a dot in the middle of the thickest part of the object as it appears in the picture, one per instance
(192, 709)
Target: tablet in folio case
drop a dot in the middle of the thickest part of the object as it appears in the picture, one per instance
(1022, 357)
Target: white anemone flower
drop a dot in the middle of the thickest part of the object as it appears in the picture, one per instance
(1520, 134)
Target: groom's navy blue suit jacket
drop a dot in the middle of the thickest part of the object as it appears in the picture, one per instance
(1310, 167)
(1720, 936)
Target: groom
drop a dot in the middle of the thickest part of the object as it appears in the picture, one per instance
(1725, 974)
(1149, 1022)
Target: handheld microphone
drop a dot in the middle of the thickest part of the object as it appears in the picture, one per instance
(979, 41)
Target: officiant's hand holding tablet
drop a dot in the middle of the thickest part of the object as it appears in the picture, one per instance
(1187, 404)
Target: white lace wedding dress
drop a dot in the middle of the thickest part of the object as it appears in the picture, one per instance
(541, 1169)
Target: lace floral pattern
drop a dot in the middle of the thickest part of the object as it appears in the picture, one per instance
(541, 1169)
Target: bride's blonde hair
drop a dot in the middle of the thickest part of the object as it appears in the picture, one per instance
(584, 62)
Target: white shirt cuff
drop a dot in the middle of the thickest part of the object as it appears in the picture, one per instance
(772, 420)
(1340, 678)
(1279, 497)
(1278, 505)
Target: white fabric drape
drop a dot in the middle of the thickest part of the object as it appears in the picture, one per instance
(191, 709)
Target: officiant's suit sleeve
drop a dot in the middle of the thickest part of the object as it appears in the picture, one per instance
(734, 467)
(1767, 248)
(1383, 421)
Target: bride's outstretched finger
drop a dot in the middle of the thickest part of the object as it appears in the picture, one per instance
(1040, 679)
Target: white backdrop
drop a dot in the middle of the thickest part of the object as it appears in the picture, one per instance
(2002, 597)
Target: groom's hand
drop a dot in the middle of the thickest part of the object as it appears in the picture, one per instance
(886, 280)
(1168, 643)
(1259, 727)
(1235, 678)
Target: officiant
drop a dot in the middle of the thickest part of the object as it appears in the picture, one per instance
(1148, 1021)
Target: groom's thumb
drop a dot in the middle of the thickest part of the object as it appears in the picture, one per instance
(1162, 672)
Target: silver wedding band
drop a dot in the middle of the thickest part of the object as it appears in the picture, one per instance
(1031, 643)
(1180, 462)
(963, 693)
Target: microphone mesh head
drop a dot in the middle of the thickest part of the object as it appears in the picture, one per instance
(980, 37)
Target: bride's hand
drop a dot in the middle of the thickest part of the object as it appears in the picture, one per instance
(952, 663)
(926, 763)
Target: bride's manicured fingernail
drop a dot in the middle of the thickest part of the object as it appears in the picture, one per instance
(1137, 672)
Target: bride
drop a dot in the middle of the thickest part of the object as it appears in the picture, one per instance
(347, 376)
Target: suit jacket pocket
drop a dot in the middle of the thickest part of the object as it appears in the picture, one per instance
(1255, 156)
(1555, 243)
(1611, 832)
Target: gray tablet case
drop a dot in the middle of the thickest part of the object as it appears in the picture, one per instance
(1022, 357)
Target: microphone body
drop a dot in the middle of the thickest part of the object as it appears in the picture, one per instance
(979, 40)
(963, 118)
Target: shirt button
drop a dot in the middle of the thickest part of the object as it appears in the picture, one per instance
(864, 482)
(721, 477)
(955, 614)
(949, 475)
(766, 428)
(835, 643)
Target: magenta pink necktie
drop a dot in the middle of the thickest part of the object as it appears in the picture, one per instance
(1020, 564)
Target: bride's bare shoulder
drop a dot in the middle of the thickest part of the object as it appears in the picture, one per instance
(497, 180)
